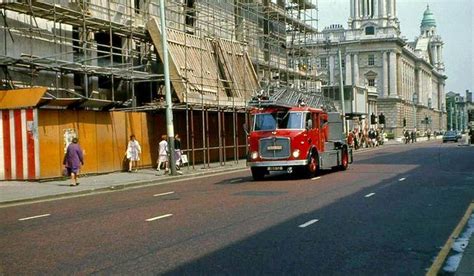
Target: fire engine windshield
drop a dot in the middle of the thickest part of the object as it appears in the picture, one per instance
(278, 120)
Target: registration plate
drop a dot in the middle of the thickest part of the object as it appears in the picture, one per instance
(275, 168)
(274, 148)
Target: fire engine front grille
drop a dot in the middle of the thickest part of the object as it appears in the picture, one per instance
(274, 148)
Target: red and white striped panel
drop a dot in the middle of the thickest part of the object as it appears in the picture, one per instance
(19, 145)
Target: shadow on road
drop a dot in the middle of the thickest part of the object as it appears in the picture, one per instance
(397, 231)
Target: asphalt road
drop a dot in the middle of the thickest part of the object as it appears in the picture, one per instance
(389, 213)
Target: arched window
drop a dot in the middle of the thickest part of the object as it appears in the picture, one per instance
(370, 30)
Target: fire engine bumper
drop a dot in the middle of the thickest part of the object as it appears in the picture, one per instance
(284, 163)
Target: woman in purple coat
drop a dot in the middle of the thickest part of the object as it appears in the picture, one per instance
(73, 159)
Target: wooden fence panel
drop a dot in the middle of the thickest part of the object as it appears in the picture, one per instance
(50, 143)
(105, 143)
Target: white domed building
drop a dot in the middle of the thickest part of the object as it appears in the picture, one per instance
(404, 80)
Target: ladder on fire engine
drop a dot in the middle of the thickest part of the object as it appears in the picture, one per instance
(290, 97)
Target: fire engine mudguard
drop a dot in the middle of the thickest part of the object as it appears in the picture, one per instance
(345, 158)
(311, 169)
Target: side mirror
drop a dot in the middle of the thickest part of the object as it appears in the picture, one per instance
(246, 129)
(309, 124)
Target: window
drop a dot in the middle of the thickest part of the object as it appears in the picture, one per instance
(370, 30)
(371, 82)
(78, 79)
(371, 60)
(278, 120)
(324, 62)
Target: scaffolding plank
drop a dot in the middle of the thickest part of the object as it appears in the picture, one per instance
(21, 98)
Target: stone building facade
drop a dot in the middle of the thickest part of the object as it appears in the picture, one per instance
(405, 80)
(458, 110)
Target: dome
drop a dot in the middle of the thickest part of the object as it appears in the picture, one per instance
(428, 19)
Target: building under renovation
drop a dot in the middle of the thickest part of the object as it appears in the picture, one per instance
(92, 69)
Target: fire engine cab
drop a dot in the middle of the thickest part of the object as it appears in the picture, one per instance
(290, 136)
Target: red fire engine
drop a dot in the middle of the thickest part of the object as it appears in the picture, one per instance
(288, 135)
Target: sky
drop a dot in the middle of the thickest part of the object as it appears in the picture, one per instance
(455, 24)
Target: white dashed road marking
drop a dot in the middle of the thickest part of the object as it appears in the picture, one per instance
(39, 216)
(401, 179)
(159, 217)
(162, 194)
(308, 223)
(235, 180)
(369, 195)
(317, 177)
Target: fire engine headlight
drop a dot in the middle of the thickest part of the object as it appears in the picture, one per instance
(254, 155)
(296, 153)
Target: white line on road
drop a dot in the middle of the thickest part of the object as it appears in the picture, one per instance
(162, 194)
(159, 217)
(401, 179)
(369, 195)
(235, 180)
(39, 216)
(308, 223)
(317, 177)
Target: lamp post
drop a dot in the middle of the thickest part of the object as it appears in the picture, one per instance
(169, 107)
(341, 88)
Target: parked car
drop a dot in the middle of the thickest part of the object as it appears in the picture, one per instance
(459, 134)
(450, 135)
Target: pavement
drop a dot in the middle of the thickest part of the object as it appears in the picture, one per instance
(22, 192)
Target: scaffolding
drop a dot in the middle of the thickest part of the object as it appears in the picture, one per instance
(101, 55)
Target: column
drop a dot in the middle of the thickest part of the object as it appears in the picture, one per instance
(352, 9)
(440, 55)
(376, 8)
(394, 8)
(434, 52)
(356, 69)
(356, 8)
(367, 8)
(440, 100)
(385, 74)
(331, 70)
(348, 67)
(391, 8)
(363, 8)
(443, 97)
(382, 8)
(418, 88)
(430, 90)
(392, 62)
(438, 51)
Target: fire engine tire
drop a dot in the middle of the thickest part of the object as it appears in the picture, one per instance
(312, 168)
(258, 173)
(344, 160)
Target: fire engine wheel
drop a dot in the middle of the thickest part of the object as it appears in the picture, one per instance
(258, 173)
(313, 166)
(344, 160)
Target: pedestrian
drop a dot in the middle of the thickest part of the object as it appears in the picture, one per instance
(350, 139)
(163, 152)
(73, 160)
(413, 136)
(428, 133)
(407, 136)
(177, 151)
(133, 153)
(372, 138)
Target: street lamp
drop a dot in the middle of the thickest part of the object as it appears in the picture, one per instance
(169, 104)
(327, 45)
